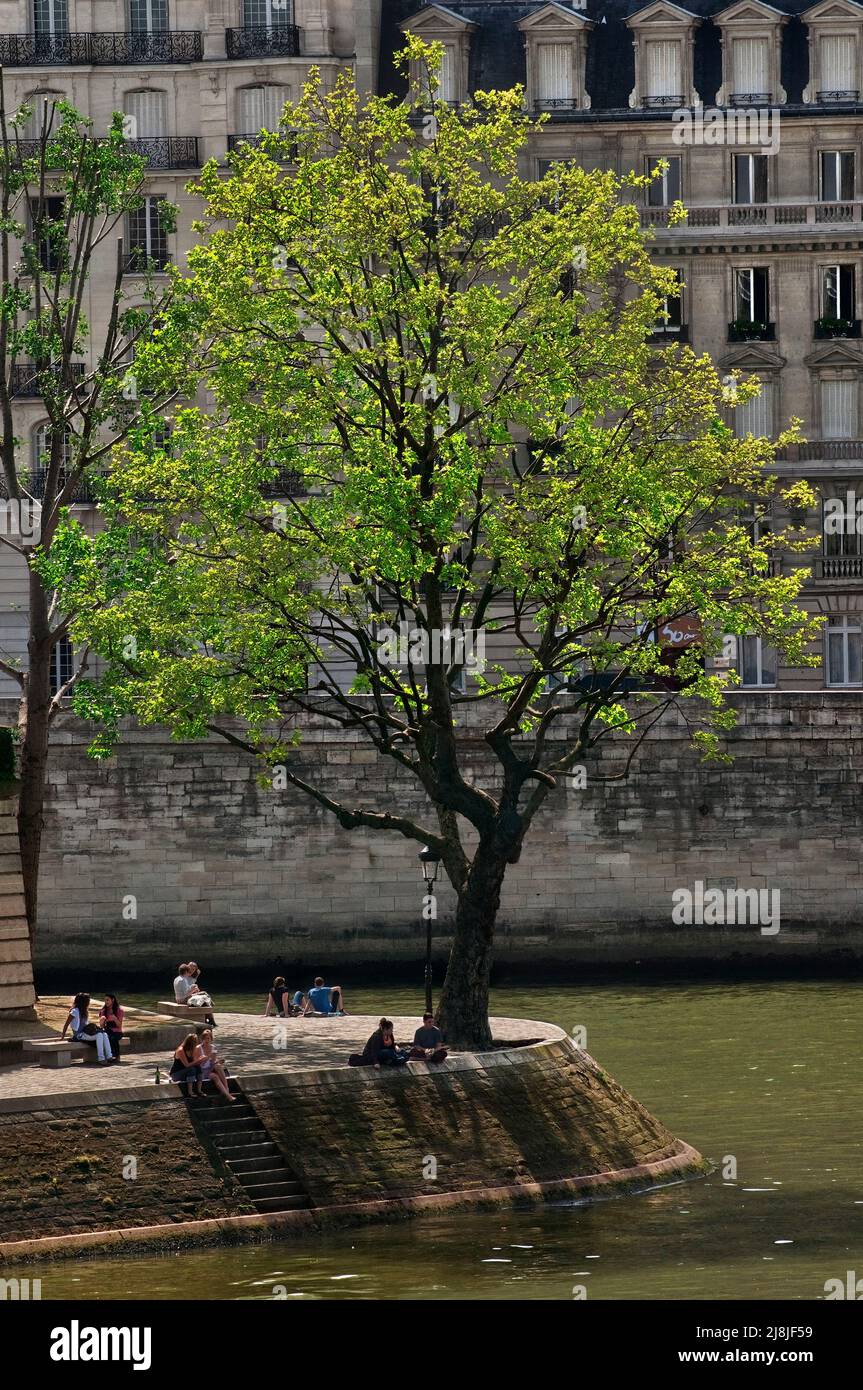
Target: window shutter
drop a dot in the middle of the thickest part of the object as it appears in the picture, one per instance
(756, 416)
(838, 63)
(839, 409)
(663, 68)
(149, 111)
(554, 71)
(261, 108)
(750, 66)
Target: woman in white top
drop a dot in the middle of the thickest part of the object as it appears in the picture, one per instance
(86, 1032)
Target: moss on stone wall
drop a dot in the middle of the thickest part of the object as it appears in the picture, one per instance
(62, 1171)
(354, 1138)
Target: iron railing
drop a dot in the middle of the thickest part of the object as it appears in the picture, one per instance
(263, 41)
(836, 328)
(739, 332)
(167, 151)
(848, 94)
(751, 98)
(23, 379)
(287, 483)
(101, 50)
(35, 485)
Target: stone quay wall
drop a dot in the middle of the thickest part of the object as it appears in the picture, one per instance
(175, 848)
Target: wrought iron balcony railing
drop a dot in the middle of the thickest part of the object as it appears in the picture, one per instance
(751, 98)
(23, 380)
(555, 104)
(836, 328)
(252, 142)
(102, 50)
(168, 151)
(263, 41)
(756, 332)
(848, 94)
(660, 103)
(287, 483)
(35, 485)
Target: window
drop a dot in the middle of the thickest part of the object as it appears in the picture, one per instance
(752, 295)
(48, 229)
(844, 638)
(750, 66)
(837, 292)
(62, 664)
(260, 108)
(837, 55)
(554, 74)
(41, 458)
(838, 409)
(670, 318)
(664, 78)
(756, 416)
(665, 189)
(42, 114)
(146, 240)
(268, 14)
(837, 176)
(146, 115)
(50, 17)
(756, 661)
(750, 178)
(148, 16)
(839, 525)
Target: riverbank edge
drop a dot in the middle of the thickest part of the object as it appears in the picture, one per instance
(685, 1164)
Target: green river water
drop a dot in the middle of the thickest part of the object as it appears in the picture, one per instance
(769, 1075)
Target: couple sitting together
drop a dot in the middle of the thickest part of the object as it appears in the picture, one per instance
(382, 1050)
(187, 990)
(321, 1001)
(196, 1061)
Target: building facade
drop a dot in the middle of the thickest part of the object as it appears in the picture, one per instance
(758, 111)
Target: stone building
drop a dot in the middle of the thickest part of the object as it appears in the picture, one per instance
(758, 111)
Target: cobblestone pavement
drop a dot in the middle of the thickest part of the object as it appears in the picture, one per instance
(248, 1044)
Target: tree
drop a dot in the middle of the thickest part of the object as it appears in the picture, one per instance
(64, 197)
(392, 309)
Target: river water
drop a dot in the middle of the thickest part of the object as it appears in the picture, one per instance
(765, 1079)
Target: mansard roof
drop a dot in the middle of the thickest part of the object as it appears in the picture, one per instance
(497, 55)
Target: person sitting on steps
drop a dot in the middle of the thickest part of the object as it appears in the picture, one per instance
(185, 1068)
(207, 1059)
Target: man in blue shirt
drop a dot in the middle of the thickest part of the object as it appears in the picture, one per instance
(325, 999)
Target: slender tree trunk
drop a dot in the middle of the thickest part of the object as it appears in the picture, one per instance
(463, 1011)
(34, 749)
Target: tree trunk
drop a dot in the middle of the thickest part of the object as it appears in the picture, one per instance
(34, 726)
(463, 1010)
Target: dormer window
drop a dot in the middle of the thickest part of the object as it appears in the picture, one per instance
(438, 25)
(751, 54)
(555, 42)
(663, 37)
(834, 52)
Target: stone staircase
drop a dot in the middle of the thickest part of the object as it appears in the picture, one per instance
(17, 996)
(239, 1139)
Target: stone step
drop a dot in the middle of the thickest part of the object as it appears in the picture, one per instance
(256, 1148)
(263, 1190)
(281, 1203)
(226, 1120)
(215, 1113)
(244, 1129)
(264, 1163)
(283, 1176)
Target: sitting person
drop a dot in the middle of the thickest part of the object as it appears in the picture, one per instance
(277, 999)
(185, 1068)
(427, 1042)
(325, 999)
(196, 998)
(382, 1050)
(207, 1058)
(184, 985)
(86, 1032)
(111, 1020)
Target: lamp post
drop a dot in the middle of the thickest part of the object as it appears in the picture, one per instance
(430, 861)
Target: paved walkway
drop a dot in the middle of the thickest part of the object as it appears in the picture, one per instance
(248, 1044)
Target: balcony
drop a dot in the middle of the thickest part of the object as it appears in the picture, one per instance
(669, 333)
(830, 450)
(101, 50)
(287, 483)
(23, 381)
(663, 103)
(552, 104)
(742, 331)
(35, 485)
(830, 98)
(839, 567)
(167, 151)
(261, 41)
(751, 98)
(836, 328)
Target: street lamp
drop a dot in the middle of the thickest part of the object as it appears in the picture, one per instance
(430, 860)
